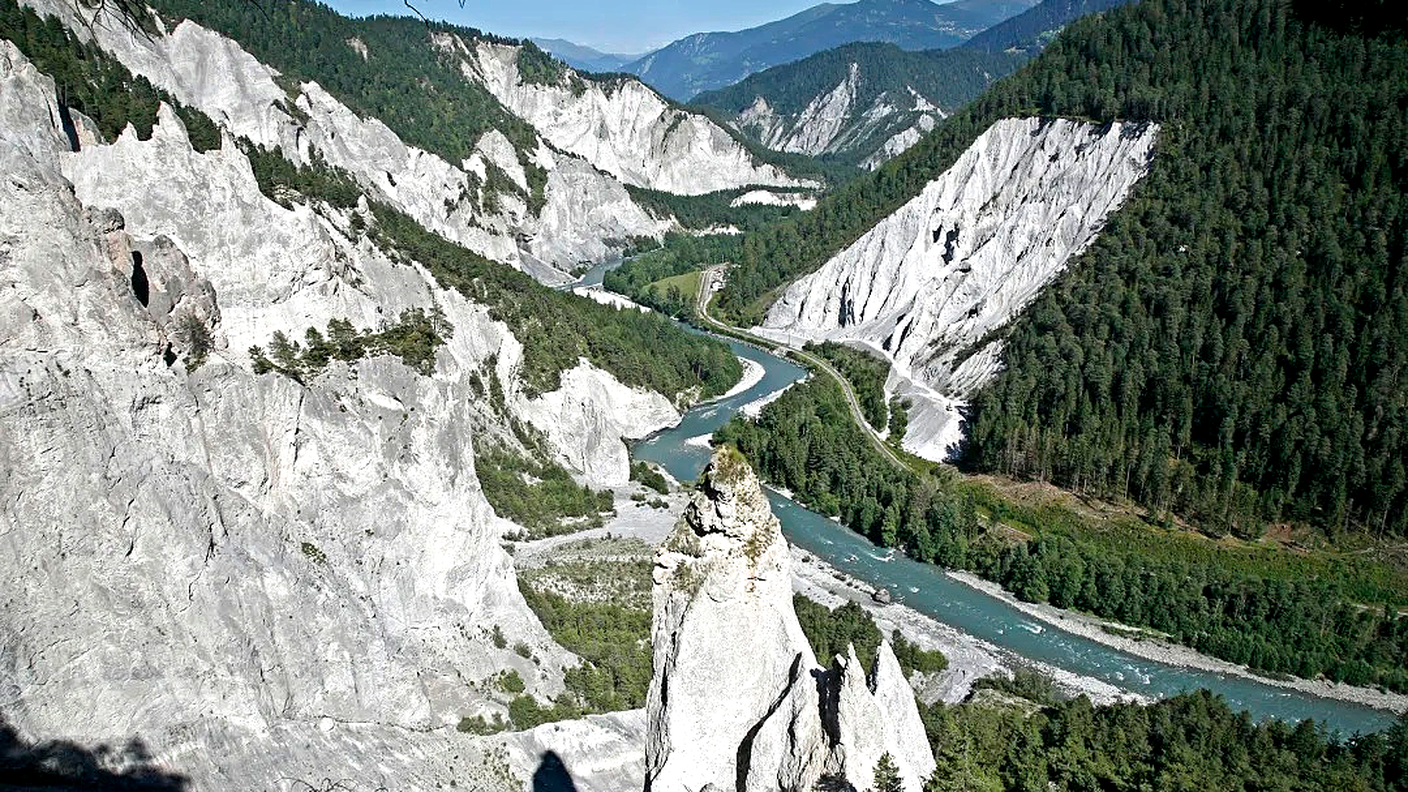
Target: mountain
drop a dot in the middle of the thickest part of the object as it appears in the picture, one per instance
(1212, 345)
(707, 61)
(1034, 28)
(256, 379)
(865, 103)
(862, 103)
(582, 57)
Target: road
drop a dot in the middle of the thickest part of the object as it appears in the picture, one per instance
(708, 277)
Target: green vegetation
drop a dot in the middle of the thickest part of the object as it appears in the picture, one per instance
(510, 682)
(899, 419)
(1034, 28)
(649, 477)
(538, 67)
(413, 338)
(481, 725)
(710, 210)
(405, 80)
(540, 496)
(912, 657)
(1230, 349)
(865, 372)
(283, 182)
(593, 597)
(557, 329)
(613, 641)
(313, 552)
(680, 254)
(1257, 608)
(887, 775)
(1188, 742)
(192, 332)
(93, 83)
(950, 78)
(830, 632)
(676, 295)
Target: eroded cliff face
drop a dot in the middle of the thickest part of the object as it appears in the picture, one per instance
(621, 127)
(737, 700)
(964, 257)
(844, 119)
(260, 579)
(586, 215)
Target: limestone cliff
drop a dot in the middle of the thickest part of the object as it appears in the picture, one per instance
(845, 119)
(585, 217)
(261, 580)
(928, 283)
(737, 700)
(622, 127)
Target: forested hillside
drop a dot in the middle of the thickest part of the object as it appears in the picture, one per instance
(1189, 742)
(946, 77)
(1034, 28)
(400, 80)
(1233, 347)
(708, 61)
(1269, 609)
(887, 89)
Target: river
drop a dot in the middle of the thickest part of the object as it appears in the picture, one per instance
(927, 589)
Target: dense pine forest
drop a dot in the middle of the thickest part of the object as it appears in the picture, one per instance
(1263, 610)
(1233, 347)
(1232, 350)
(1189, 742)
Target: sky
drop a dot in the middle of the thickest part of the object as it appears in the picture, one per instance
(625, 26)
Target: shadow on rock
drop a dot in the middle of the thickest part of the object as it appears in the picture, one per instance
(552, 775)
(59, 764)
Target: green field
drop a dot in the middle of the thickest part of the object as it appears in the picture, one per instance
(687, 283)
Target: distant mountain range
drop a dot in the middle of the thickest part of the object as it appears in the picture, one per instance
(708, 61)
(582, 57)
(859, 103)
(864, 103)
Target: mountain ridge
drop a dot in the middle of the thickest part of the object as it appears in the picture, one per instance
(583, 57)
(707, 61)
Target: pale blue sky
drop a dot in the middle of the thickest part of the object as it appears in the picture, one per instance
(608, 25)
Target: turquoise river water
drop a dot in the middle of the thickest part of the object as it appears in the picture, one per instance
(927, 589)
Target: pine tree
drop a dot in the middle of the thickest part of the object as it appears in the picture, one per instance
(887, 776)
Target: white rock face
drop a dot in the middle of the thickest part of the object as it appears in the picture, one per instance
(964, 257)
(901, 141)
(598, 753)
(586, 217)
(590, 414)
(840, 120)
(802, 201)
(737, 700)
(261, 580)
(821, 121)
(623, 128)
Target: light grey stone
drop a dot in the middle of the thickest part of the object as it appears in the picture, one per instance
(965, 256)
(737, 700)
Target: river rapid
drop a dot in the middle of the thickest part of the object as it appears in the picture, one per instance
(927, 589)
